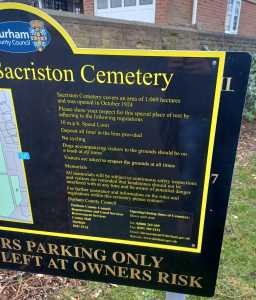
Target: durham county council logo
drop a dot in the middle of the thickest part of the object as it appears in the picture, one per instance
(23, 37)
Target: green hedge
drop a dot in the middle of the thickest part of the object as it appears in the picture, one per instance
(250, 105)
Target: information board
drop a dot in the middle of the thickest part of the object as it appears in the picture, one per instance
(115, 165)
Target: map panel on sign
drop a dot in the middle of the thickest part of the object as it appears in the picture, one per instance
(14, 196)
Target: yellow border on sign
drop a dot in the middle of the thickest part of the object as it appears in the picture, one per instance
(153, 53)
(22, 163)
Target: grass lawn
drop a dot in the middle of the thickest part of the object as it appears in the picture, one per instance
(237, 273)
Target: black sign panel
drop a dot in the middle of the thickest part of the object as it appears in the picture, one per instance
(115, 165)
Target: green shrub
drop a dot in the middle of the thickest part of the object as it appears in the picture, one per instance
(250, 104)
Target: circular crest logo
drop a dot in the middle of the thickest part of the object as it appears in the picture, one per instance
(39, 35)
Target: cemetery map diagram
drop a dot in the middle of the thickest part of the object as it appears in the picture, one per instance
(14, 196)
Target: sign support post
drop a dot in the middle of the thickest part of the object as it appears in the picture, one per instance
(175, 296)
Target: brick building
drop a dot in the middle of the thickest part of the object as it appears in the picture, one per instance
(223, 16)
(229, 16)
